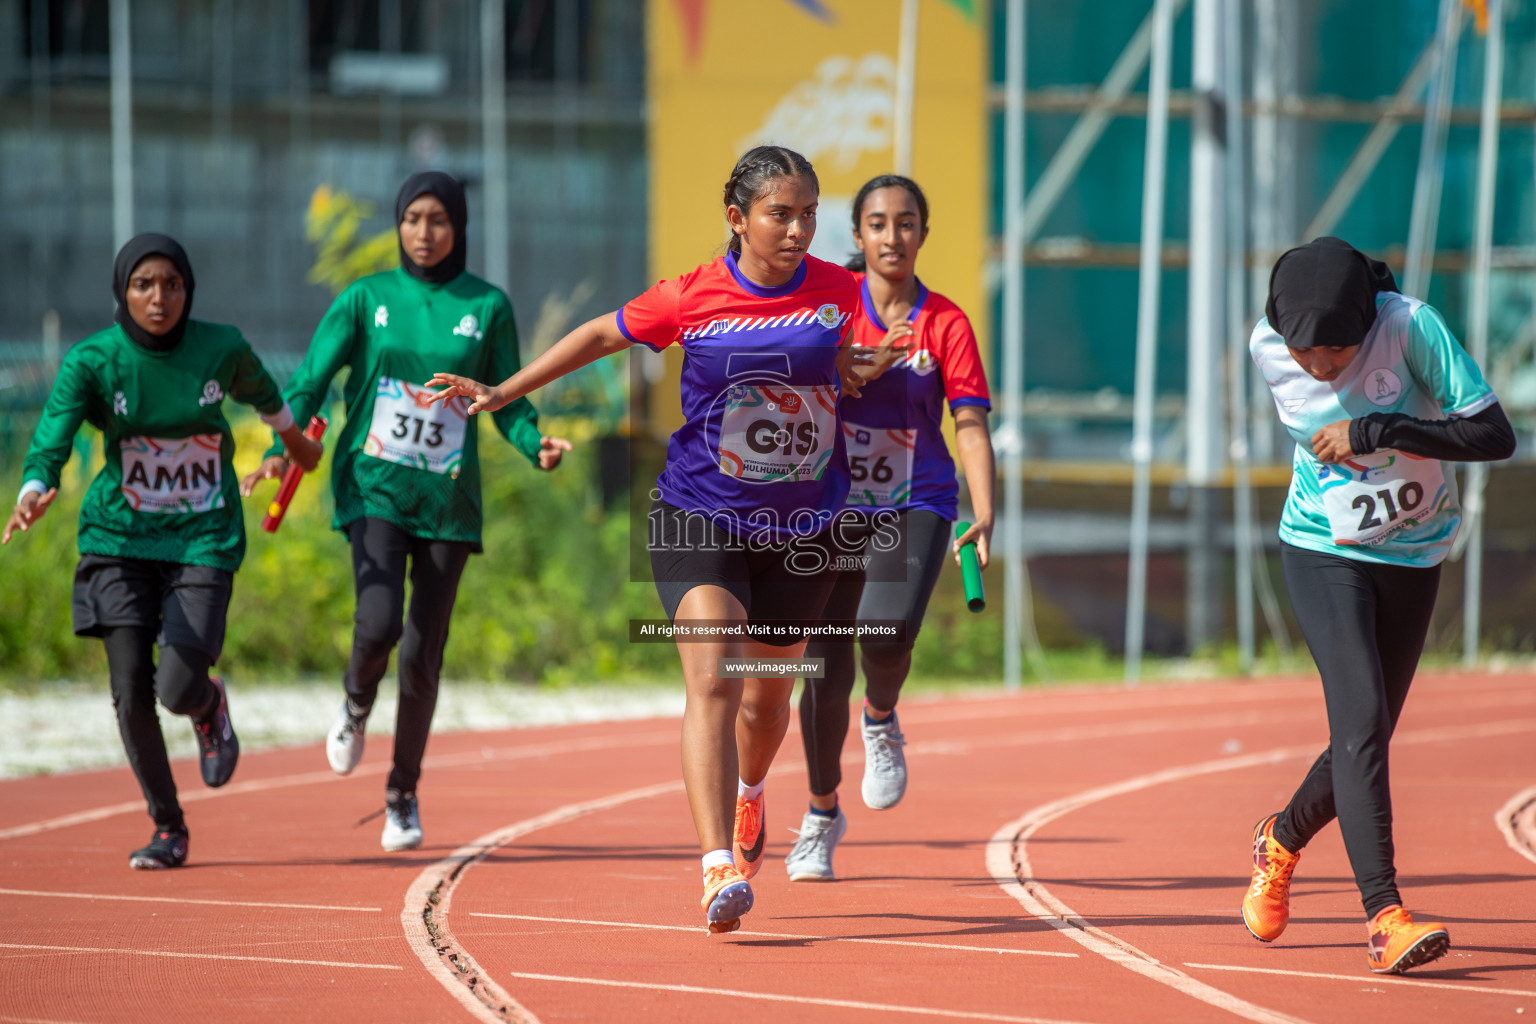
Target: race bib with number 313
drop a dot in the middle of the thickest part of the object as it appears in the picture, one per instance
(407, 429)
(1370, 497)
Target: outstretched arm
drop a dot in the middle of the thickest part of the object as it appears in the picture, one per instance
(586, 344)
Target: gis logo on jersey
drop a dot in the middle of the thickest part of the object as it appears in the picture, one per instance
(788, 402)
(829, 315)
(1382, 387)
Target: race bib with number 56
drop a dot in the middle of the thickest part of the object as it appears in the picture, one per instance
(1370, 497)
(879, 465)
(407, 429)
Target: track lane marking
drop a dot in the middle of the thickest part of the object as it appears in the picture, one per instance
(849, 1004)
(1517, 820)
(783, 935)
(199, 956)
(178, 899)
(1408, 983)
(1008, 860)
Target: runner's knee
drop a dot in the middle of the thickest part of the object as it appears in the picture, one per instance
(181, 681)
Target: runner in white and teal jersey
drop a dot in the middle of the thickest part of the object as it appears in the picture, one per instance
(1378, 395)
(405, 472)
(161, 533)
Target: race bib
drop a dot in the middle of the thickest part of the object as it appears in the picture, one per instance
(1370, 497)
(173, 474)
(773, 432)
(408, 430)
(880, 464)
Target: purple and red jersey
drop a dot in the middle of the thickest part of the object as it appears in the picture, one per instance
(760, 442)
(894, 430)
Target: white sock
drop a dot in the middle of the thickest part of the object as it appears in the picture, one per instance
(750, 792)
(715, 858)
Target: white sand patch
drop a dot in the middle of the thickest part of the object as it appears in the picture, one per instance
(74, 727)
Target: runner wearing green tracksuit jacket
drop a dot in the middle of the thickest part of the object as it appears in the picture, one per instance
(405, 473)
(161, 533)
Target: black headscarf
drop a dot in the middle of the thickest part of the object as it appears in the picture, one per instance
(1324, 293)
(450, 193)
(136, 251)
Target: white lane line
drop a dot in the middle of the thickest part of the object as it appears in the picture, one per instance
(199, 956)
(1409, 983)
(429, 899)
(178, 899)
(754, 934)
(1517, 820)
(34, 1020)
(1008, 861)
(654, 738)
(849, 1004)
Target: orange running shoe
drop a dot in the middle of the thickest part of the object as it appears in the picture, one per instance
(727, 895)
(1398, 944)
(747, 840)
(1267, 904)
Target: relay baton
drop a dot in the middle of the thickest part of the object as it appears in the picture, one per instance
(970, 571)
(279, 507)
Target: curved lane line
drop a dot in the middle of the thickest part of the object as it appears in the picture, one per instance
(1008, 861)
(1407, 985)
(201, 956)
(1517, 820)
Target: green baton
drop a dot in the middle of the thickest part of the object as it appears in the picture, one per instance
(970, 571)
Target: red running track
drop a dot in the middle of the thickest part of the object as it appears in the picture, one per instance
(1062, 855)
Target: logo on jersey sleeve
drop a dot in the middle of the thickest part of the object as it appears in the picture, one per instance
(212, 394)
(120, 404)
(921, 362)
(468, 327)
(1382, 387)
(381, 317)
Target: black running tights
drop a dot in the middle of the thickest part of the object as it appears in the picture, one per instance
(380, 551)
(1365, 624)
(912, 569)
(180, 683)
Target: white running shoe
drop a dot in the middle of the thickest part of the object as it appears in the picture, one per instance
(402, 822)
(810, 860)
(344, 743)
(885, 766)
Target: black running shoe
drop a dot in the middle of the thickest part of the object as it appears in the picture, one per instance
(167, 849)
(216, 737)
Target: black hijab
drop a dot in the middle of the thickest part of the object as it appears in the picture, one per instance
(136, 251)
(1324, 293)
(450, 193)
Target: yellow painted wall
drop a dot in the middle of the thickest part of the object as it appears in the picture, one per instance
(724, 75)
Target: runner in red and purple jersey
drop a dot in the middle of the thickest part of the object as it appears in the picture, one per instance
(918, 353)
(739, 532)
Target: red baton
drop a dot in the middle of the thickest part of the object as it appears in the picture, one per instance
(279, 507)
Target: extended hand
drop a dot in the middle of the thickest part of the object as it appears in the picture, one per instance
(550, 451)
(272, 468)
(981, 533)
(853, 384)
(1331, 444)
(481, 397)
(28, 510)
(893, 348)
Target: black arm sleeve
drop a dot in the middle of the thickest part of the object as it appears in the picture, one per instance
(1485, 437)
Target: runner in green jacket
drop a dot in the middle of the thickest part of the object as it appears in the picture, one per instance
(404, 471)
(161, 533)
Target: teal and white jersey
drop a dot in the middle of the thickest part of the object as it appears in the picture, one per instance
(1388, 506)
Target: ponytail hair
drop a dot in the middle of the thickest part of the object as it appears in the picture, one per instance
(857, 262)
(758, 168)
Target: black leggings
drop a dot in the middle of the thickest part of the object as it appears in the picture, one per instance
(1365, 624)
(180, 683)
(379, 553)
(913, 569)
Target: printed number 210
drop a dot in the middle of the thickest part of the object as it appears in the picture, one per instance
(1408, 498)
(403, 424)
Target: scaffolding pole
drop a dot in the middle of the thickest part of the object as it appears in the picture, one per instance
(1153, 188)
(1477, 333)
(1013, 347)
(906, 87)
(493, 140)
(1425, 218)
(122, 123)
(1237, 335)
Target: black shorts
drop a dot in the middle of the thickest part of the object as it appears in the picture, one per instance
(186, 604)
(778, 582)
